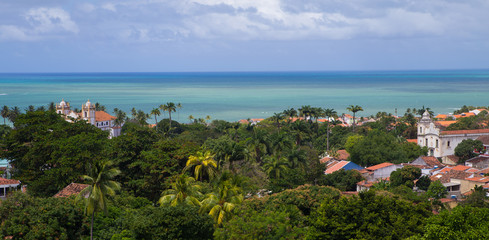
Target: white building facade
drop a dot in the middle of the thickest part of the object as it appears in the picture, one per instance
(443, 143)
(100, 119)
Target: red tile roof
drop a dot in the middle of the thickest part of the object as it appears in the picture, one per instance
(474, 131)
(101, 116)
(445, 123)
(412, 140)
(379, 166)
(441, 116)
(4, 181)
(484, 139)
(431, 161)
(460, 168)
(478, 179)
(72, 189)
(336, 167)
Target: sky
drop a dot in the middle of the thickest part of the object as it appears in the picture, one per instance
(242, 35)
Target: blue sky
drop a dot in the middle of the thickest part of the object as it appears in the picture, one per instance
(242, 35)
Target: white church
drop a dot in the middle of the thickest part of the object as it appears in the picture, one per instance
(88, 112)
(442, 143)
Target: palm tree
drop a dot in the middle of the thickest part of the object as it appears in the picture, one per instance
(184, 191)
(222, 203)
(277, 117)
(204, 163)
(169, 107)
(329, 113)
(275, 166)
(141, 117)
(354, 109)
(120, 117)
(257, 143)
(207, 118)
(5, 112)
(134, 113)
(156, 112)
(296, 157)
(305, 111)
(100, 186)
(52, 106)
(13, 114)
(179, 106)
(290, 113)
(191, 118)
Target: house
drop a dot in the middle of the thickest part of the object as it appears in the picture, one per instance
(485, 143)
(346, 165)
(339, 156)
(426, 164)
(450, 160)
(100, 119)
(479, 162)
(379, 171)
(72, 189)
(440, 142)
(7, 185)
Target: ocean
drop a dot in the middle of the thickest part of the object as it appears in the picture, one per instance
(239, 95)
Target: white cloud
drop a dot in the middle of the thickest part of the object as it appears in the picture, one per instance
(46, 20)
(9, 32)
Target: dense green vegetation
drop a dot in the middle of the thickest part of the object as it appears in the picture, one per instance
(213, 179)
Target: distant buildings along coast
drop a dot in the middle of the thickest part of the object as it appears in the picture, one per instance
(88, 112)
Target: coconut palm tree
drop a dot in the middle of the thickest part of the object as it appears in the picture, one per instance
(354, 110)
(141, 117)
(169, 107)
(179, 106)
(52, 106)
(100, 187)
(221, 204)
(305, 111)
(204, 163)
(290, 113)
(275, 166)
(5, 112)
(156, 112)
(257, 143)
(120, 117)
(184, 191)
(191, 118)
(13, 114)
(277, 117)
(329, 113)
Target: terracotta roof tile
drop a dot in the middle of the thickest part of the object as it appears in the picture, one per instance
(445, 178)
(441, 116)
(478, 159)
(460, 168)
(431, 161)
(412, 140)
(336, 167)
(72, 189)
(101, 116)
(379, 166)
(478, 179)
(4, 181)
(445, 123)
(474, 131)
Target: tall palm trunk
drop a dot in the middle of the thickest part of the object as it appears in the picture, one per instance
(156, 123)
(91, 227)
(327, 137)
(169, 114)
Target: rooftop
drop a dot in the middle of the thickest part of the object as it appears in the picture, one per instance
(72, 189)
(379, 166)
(4, 181)
(456, 132)
(101, 116)
(336, 167)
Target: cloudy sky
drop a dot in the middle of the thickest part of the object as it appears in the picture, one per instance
(242, 35)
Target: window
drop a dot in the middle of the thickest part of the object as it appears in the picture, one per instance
(448, 144)
(420, 129)
(85, 114)
(426, 142)
(436, 143)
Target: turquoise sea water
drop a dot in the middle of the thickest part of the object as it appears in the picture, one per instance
(234, 96)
